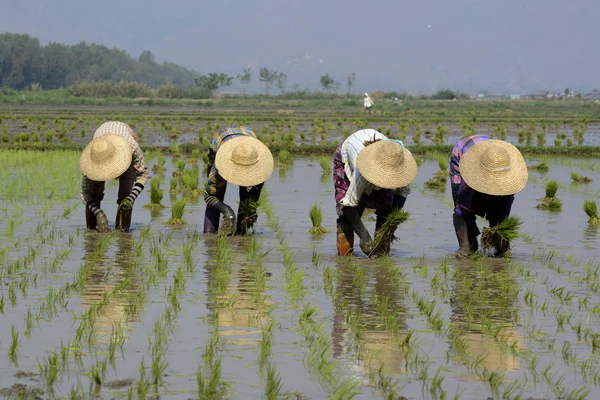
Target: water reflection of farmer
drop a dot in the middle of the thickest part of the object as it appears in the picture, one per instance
(377, 346)
(242, 322)
(238, 157)
(485, 174)
(113, 153)
(106, 274)
(369, 171)
(486, 298)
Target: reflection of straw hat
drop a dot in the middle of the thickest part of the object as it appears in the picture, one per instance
(244, 161)
(386, 164)
(105, 157)
(494, 167)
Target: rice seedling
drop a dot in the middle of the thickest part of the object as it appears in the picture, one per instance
(385, 235)
(285, 158)
(250, 212)
(325, 163)
(575, 177)
(501, 234)
(316, 218)
(542, 167)
(159, 167)
(156, 195)
(550, 202)
(177, 210)
(590, 208)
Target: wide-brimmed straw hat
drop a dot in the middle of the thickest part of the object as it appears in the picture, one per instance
(494, 167)
(105, 158)
(244, 161)
(386, 164)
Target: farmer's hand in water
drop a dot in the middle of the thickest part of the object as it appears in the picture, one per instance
(102, 222)
(228, 222)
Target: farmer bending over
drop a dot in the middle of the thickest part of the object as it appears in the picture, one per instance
(485, 175)
(235, 156)
(113, 153)
(367, 166)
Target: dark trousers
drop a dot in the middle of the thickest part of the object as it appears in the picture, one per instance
(493, 208)
(379, 200)
(126, 182)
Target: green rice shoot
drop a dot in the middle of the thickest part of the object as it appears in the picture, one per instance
(156, 194)
(285, 157)
(325, 163)
(316, 218)
(177, 210)
(591, 209)
(551, 189)
(507, 230)
(542, 167)
(580, 178)
(385, 235)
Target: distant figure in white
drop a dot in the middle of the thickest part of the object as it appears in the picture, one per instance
(368, 102)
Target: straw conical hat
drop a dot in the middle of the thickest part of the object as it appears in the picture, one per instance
(386, 164)
(244, 161)
(105, 158)
(494, 167)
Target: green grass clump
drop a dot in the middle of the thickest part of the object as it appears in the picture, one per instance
(177, 210)
(325, 163)
(285, 157)
(156, 195)
(580, 178)
(316, 217)
(542, 167)
(591, 209)
(160, 165)
(551, 189)
(506, 230)
(385, 235)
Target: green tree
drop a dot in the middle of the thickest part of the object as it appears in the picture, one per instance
(213, 81)
(245, 78)
(328, 83)
(567, 93)
(281, 81)
(268, 76)
(350, 79)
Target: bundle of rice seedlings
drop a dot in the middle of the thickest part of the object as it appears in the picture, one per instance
(156, 195)
(316, 217)
(160, 165)
(443, 164)
(551, 189)
(174, 149)
(177, 213)
(438, 181)
(249, 208)
(580, 178)
(590, 208)
(551, 204)
(542, 167)
(285, 157)
(190, 181)
(506, 231)
(385, 235)
(325, 163)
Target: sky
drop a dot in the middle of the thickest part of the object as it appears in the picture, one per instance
(417, 46)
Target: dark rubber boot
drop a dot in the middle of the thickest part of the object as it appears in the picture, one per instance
(90, 219)
(123, 220)
(460, 227)
(345, 240)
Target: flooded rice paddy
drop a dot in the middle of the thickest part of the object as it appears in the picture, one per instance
(168, 312)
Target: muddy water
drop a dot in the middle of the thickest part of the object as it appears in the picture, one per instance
(511, 318)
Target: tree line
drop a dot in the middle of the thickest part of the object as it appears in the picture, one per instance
(25, 64)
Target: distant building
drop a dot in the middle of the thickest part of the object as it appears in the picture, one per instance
(515, 97)
(593, 95)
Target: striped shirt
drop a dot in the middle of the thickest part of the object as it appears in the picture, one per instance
(459, 149)
(214, 179)
(358, 184)
(137, 161)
